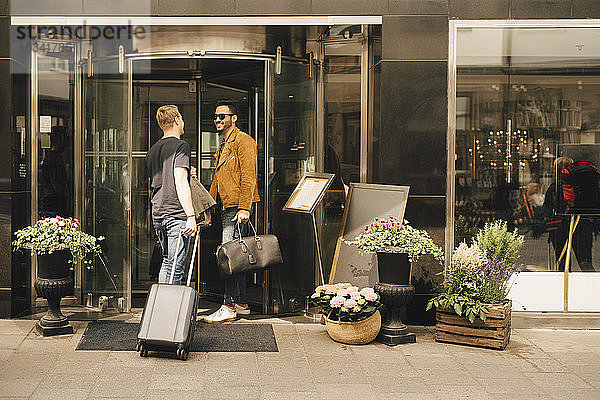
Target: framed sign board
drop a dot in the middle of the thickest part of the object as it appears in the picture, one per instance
(364, 203)
(308, 193)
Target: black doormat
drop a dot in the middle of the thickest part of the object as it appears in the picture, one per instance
(122, 336)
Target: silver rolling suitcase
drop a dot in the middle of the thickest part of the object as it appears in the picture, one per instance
(169, 317)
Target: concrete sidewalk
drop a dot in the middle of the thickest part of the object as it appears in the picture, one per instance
(537, 364)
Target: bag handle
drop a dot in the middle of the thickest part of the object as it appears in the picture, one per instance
(256, 237)
(251, 257)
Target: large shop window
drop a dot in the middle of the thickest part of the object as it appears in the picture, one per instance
(527, 101)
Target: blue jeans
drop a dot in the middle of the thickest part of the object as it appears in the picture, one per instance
(235, 285)
(168, 231)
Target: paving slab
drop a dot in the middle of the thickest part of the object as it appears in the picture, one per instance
(537, 364)
(16, 326)
(232, 391)
(290, 396)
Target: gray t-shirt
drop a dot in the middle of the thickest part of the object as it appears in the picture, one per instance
(166, 154)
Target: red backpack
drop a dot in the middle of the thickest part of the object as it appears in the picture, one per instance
(580, 182)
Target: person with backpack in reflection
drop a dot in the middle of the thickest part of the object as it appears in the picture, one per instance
(558, 202)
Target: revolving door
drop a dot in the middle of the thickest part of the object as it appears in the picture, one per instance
(276, 100)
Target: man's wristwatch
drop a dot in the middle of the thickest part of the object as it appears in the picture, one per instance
(191, 216)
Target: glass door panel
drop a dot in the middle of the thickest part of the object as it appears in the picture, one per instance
(107, 184)
(148, 96)
(292, 153)
(53, 192)
(240, 81)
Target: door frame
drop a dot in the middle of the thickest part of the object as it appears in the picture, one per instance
(270, 69)
(34, 125)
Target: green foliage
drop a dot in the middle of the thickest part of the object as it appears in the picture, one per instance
(498, 243)
(463, 228)
(57, 233)
(462, 305)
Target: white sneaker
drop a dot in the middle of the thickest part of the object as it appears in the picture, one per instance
(241, 310)
(223, 314)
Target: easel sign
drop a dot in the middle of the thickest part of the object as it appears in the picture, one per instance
(308, 193)
(304, 200)
(364, 203)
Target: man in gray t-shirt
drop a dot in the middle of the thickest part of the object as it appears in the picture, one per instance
(168, 164)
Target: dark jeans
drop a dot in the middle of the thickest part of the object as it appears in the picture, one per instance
(168, 231)
(235, 285)
(582, 243)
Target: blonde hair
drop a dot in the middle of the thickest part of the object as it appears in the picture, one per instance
(561, 162)
(534, 188)
(166, 115)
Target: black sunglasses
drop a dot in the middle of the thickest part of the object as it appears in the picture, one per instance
(221, 116)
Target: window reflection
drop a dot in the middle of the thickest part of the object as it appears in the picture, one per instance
(342, 134)
(522, 108)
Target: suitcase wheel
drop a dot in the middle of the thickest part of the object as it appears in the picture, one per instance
(182, 353)
(143, 350)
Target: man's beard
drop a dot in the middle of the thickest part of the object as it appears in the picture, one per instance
(223, 127)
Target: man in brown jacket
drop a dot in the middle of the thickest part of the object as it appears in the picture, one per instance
(235, 189)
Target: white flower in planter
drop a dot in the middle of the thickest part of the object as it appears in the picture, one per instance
(365, 291)
(349, 303)
(371, 297)
(337, 302)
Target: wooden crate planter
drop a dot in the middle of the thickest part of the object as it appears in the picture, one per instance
(494, 333)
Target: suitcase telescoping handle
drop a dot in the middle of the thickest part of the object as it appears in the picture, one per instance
(191, 269)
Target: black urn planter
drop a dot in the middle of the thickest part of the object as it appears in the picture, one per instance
(54, 282)
(393, 266)
(396, 292)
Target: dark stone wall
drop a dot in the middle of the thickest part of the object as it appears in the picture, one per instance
(464, 9)
(413, 123)
(5, 165)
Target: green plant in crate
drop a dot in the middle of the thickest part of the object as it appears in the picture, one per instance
(474, 280)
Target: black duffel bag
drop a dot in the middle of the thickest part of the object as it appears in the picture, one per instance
(248, 254)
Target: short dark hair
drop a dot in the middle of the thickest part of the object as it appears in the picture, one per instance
(229, 103)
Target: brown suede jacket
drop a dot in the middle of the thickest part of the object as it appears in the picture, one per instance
(235, 175)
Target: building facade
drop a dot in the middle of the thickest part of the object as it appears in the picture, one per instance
(467, 102)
